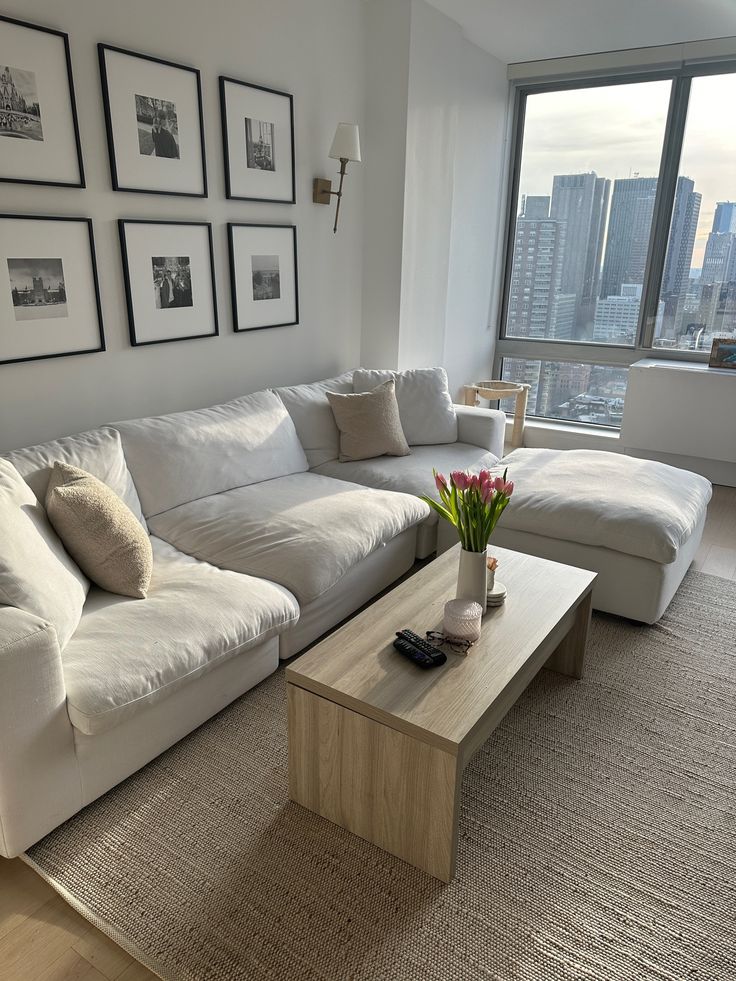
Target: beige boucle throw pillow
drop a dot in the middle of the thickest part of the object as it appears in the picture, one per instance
(369, 423)
(99, 531)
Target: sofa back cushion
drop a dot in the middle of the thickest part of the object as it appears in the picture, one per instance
(36, 574)
(425, 406)
(99, 452)
(314, 420)
(184, 456)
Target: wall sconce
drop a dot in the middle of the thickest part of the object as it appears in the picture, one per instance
(345, 146)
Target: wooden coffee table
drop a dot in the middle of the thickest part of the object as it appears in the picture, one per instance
(378, 745)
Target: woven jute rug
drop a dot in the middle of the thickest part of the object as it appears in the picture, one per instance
(597, 837)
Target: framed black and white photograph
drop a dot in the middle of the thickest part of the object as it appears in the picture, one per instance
(155, 131)
(169, 273)
(258, 138)
(263, 276)
(49, 293)
(39, 135)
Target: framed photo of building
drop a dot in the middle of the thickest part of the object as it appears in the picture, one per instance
(155, 131)
(169, 273)
(39, 135)
(263, 276)
(723, 353)
(49, 294)
(258, 142)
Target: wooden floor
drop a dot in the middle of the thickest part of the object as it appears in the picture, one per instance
(43, 939)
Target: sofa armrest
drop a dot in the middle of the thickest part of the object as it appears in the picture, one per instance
(481, 427)
(39, 777)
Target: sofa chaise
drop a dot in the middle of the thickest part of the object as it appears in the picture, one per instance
(262, 540)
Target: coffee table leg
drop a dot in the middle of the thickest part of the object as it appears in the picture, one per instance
(569, 657)
(398, 792)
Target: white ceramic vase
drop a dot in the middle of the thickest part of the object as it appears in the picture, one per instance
(472, 576)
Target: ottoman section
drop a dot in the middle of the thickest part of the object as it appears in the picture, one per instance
(637, 523)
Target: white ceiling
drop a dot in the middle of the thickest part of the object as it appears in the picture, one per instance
(527, 30)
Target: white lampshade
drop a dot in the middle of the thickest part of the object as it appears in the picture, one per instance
(346, 144)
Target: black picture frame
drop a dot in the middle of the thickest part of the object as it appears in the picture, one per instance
(234, 280)
(135, 341)
(224, 81)
(95, 279)
(73, 107)
(110, 128)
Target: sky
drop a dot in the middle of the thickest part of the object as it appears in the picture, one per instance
(22, 272)
(618, 130)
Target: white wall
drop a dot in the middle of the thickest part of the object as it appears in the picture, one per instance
(314, 50)
(446, 179)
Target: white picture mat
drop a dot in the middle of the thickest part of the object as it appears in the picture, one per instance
(42, 239)
(143, 242)
(128, 76)
(55, 157)
(243, 102)
(248, 241)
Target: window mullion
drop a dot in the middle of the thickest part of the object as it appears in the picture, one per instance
(664, 202)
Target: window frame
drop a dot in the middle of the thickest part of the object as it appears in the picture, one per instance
(615, 355)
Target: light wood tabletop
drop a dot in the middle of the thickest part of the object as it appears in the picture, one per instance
(378, 745)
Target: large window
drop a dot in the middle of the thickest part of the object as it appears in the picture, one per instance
(621, 239)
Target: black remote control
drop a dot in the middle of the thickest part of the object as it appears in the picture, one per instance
(418, 650)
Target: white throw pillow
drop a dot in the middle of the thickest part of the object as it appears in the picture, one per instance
(36, 574)
(425, 406)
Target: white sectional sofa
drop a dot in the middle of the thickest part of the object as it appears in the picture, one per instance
(262, 541)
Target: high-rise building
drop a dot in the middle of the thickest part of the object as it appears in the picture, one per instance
(682, 239)
(536, 274)
(581, 201)
(535, 206)
(719, 261)
(629, 227)
(617, 317)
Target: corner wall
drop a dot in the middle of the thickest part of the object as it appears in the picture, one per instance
(314, 50)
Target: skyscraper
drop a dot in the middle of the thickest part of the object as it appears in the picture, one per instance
(535, 307)
(535, 206)
(627, 245)
(682, 239)
(581, 201)
(719, 261)
(724, 219)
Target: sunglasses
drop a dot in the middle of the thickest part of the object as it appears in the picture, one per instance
(456, 645)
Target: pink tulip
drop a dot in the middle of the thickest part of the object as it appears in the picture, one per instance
(509, 488)
(487, 492)
(440, 481)
(475, 482)
(460, 479)
(484, 475)
(498, 484)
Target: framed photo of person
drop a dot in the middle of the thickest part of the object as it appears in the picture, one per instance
(258, 142)
(155, 131)
(49, 294)
(169, 273)
(723, 353)
(39, 135)
(263, 276)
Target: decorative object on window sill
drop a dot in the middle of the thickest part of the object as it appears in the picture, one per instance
(473, 503)
(345, 147)
(462, 620)
(723, 353)
(497, 390)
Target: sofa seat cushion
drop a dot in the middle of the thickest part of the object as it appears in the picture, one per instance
(98, 451)
(127, 653)
(639, 507)
(303, 531)
(184, 456)
(412, 474)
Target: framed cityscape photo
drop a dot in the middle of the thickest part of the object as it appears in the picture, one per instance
(723, 353)
(39, 135)
(258, 138)
(169, 273)
(263, 276)
(155, 132)
(49, 294)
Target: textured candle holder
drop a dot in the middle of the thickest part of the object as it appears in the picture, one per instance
(462, 620)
